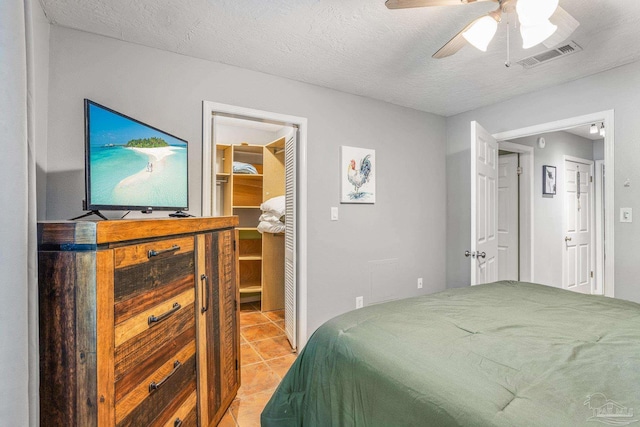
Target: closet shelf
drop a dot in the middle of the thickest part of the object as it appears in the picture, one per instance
(250, 289)
(250, 258)
(248, 148)
(248, 175)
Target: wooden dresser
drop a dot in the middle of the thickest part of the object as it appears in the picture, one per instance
(139, 323)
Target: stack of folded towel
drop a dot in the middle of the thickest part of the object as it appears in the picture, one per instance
(241, 167)
(272, 218)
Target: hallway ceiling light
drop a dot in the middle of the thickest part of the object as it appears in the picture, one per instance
(593, 129)
(602, 130)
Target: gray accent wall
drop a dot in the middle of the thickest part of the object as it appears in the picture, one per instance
(166, 90)
(610, 90)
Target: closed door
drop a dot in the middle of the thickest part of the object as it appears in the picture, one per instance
(577, 254)
(508, 243)
(484, 206)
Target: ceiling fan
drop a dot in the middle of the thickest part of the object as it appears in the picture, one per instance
(541, 21)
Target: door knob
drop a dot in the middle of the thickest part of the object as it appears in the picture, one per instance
(482, 254)
(567, 239)
(469, 254)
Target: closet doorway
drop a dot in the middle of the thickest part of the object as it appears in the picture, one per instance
(254, 167)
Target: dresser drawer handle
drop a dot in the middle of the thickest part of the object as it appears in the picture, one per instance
(153, 386)
(153, 320)
(204, 280)
(153, 252)
(177, 422)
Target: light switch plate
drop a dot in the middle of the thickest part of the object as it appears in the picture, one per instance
(626, 215)
(334, 213)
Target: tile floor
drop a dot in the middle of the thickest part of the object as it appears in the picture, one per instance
(265, 357)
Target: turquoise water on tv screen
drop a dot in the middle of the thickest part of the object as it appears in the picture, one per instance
(138, 174)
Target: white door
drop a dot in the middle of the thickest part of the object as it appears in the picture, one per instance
(290, 240)
(484, 206)
(508, 233)
(577, 256)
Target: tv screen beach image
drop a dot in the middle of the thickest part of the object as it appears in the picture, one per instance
(134, 165)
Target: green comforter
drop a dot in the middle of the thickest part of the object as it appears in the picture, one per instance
(501, 354)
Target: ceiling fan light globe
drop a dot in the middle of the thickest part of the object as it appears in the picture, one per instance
(481, 32)
(535, 12)
(533, 35)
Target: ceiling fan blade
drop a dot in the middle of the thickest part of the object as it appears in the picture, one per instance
(451, 47)
(404, 4)
(458, 41)
(566, 23)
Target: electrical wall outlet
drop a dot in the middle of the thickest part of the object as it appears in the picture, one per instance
(359, 302)
(419, 282)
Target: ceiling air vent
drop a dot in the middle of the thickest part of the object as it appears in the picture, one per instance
(550, 55)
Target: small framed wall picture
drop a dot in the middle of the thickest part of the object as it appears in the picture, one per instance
(358, 175)
(548, 179)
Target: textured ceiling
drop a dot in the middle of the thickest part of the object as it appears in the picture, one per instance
(361, 47)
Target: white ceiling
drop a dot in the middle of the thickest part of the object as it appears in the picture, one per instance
(360, 46)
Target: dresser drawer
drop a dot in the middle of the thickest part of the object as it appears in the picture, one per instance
(140, 344)
(165, 394)
(148, 273)
(156, 317)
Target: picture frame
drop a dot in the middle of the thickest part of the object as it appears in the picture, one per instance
(548, 180)
(358, 175)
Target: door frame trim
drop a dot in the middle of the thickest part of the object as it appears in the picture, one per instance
(592, 257)
(208, 191)
(607, 117)
(598, 189)
(526, 210)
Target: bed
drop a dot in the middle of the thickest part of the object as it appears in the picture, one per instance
(501, 354)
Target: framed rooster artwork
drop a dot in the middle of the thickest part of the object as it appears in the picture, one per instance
(358, 175)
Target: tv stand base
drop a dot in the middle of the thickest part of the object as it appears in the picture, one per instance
(86, 214)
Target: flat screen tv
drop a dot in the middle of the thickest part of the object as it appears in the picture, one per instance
(131, 165)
